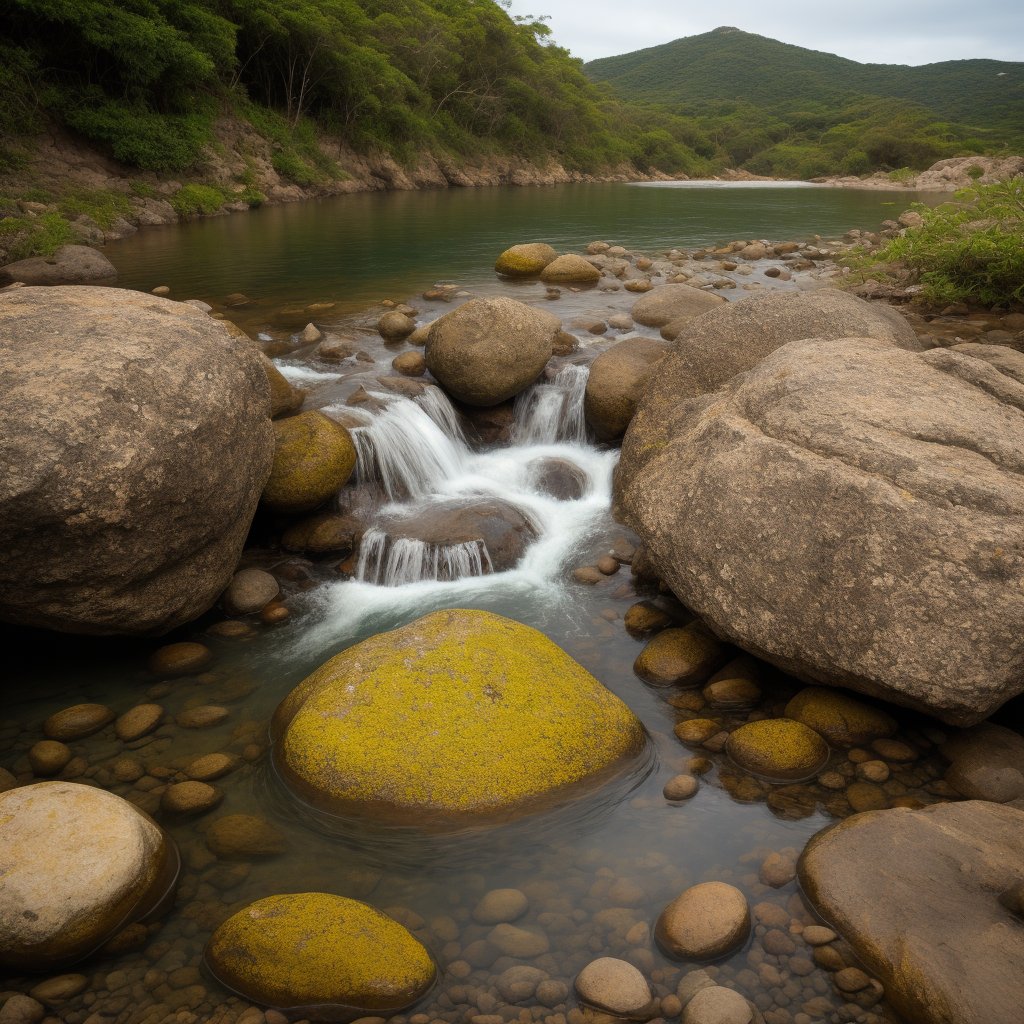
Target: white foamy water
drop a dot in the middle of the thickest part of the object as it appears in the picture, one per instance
(553, 411)
(300, 373)
(416, 450)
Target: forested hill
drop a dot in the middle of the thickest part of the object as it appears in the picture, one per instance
(727, 64)
(145, 80)
(767, 92)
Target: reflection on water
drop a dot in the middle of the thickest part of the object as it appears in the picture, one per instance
(361, 248)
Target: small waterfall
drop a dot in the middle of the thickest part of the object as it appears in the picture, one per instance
(389, 562)
(553, 411)
(434, 402)
(407, 449)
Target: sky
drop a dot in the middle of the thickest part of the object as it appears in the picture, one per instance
(871, 31)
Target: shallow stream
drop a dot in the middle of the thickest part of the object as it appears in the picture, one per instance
(597, 871)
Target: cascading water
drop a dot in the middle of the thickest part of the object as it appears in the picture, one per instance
(410, 449)
(553, 411)
(388, 562)
(415, 450)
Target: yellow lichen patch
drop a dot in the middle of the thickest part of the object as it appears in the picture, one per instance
(459, 716)
(840, 718)
(312, 948)
(313, 458)
(778, 748)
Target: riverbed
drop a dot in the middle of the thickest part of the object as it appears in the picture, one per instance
(598, 870)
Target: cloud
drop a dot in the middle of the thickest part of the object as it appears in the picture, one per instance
(874, 31)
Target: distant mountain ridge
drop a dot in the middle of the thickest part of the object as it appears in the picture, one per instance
(730, 64)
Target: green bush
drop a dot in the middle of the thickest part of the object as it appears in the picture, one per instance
(902, 175)
(195, 200)
(143, 138)
(971, 249)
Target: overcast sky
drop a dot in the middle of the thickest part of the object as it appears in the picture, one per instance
(871, 31)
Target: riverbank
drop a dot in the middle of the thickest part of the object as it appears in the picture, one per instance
(64, 191)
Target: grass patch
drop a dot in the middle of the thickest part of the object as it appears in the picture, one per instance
(24, 237)
(102, 207)
(902, 175)
(197, 200)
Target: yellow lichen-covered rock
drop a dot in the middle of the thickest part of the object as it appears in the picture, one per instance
(778, 748)
(525, 260)
(840, 718)
(459, 716)
(313, 949)
(313, 458)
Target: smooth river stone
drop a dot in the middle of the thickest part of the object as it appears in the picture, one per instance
(615, 986)
(77, 722)
(707, 921)
(50, 914)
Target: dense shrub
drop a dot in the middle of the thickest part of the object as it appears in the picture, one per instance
(970, 249)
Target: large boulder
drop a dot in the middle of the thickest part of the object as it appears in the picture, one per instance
(570, 269)
(77, 865)
(136, 440)
(70, 264)
(852, 512)
(488, 350)
(617, 379)
(714, 347)
(459, 717)
(671, 303)
(926, 900)
(320, 953)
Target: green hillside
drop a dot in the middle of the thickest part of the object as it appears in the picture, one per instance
(145, 80)
(775, 107)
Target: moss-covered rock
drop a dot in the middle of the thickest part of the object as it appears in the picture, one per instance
(525, 260)
(840, 718)
(459, 716)
(680, 657)
(317, 950)
(313, 458)
(778, 748)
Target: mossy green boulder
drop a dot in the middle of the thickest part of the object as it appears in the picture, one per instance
(313, 949)
(778, 749)
(313, 458)
(840, 718)
(459, 717)
(525, 260)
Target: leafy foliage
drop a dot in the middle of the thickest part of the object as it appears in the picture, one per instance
(145, 78)
(968, 250)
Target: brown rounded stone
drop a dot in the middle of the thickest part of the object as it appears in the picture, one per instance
(181, 659)
(77, 722)
(679, 657)
(138, 722)
(696, 730)
(190, 798)
(48, 757)
(707, 921)
(202, 717)
(210, 767)
(244, 837)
